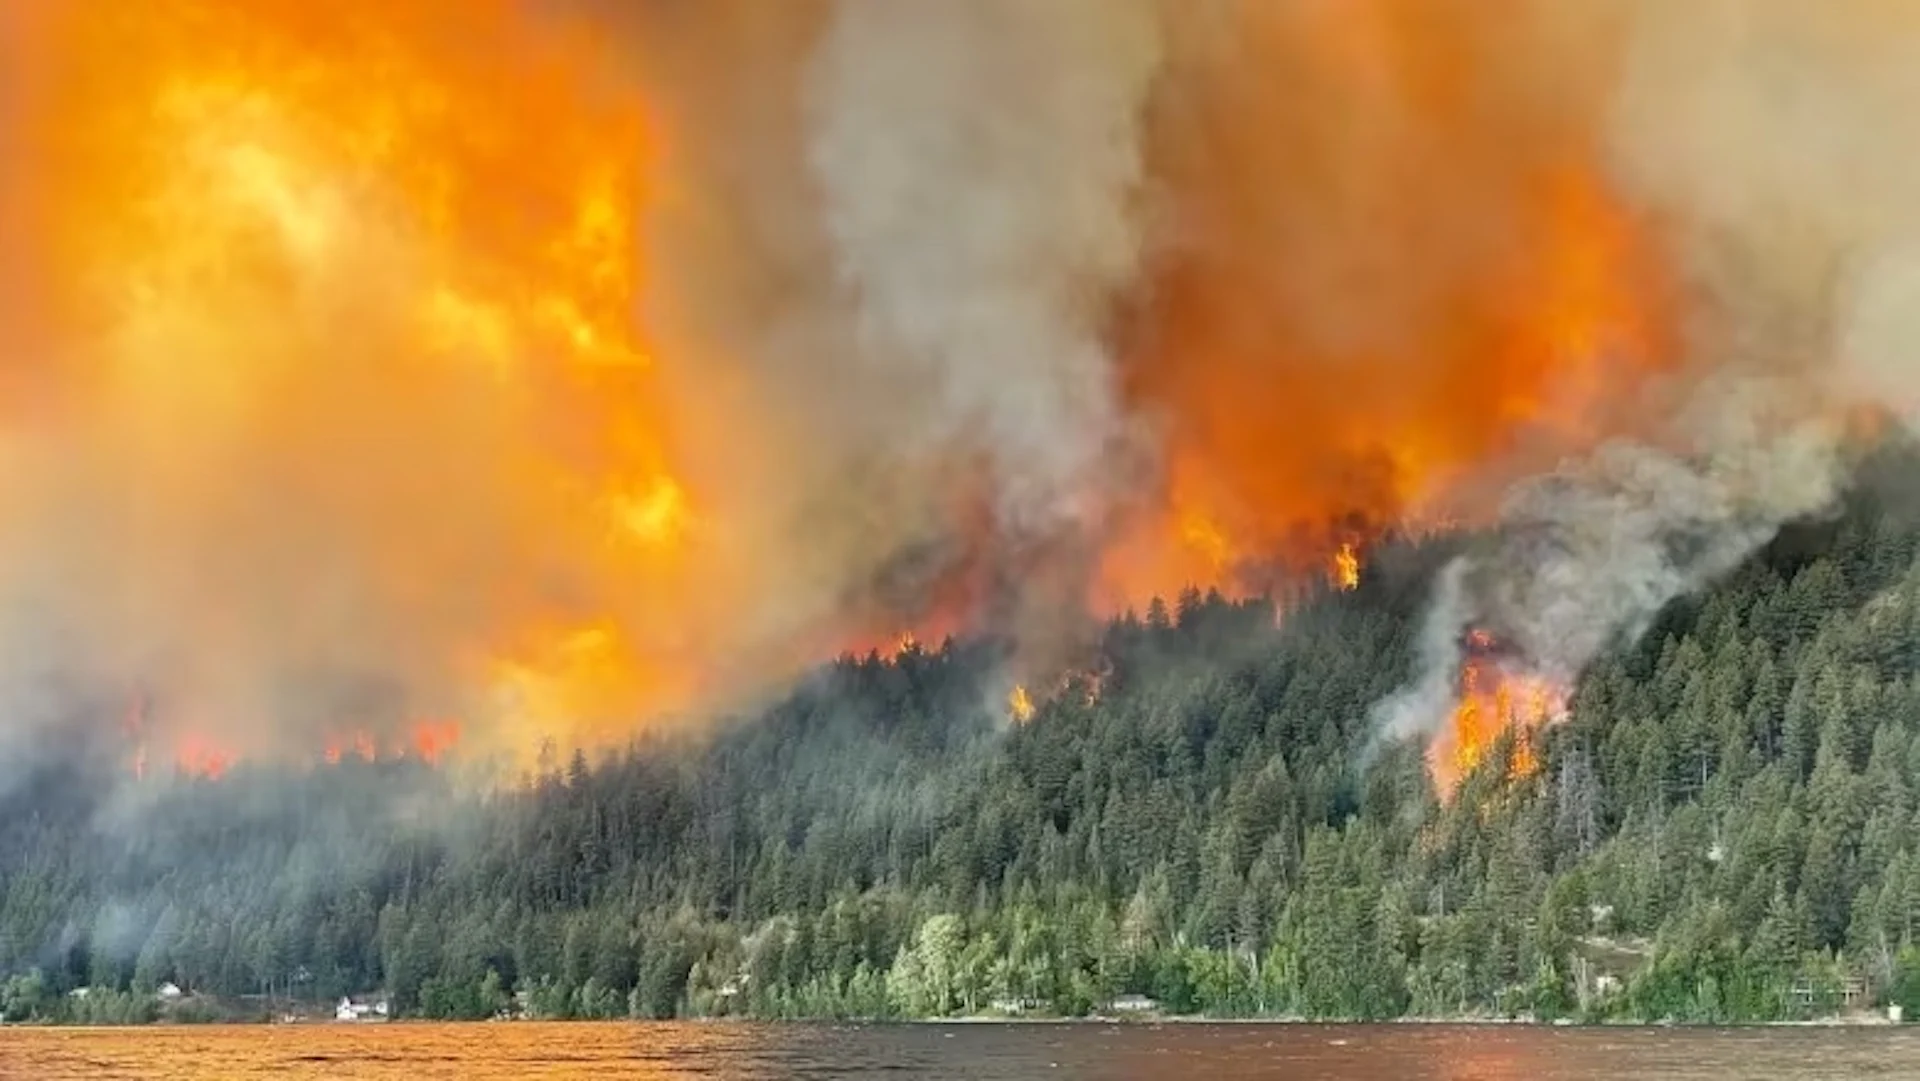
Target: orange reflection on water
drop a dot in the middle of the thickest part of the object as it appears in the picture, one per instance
(734, 1051)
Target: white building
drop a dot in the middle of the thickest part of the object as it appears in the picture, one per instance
(361, 1010)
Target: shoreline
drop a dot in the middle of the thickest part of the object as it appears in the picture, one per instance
(1859, 1020)
(1871, 1020)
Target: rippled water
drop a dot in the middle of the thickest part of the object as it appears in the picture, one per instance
(739, 1052)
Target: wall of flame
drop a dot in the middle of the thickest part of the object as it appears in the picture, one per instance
(346, 391)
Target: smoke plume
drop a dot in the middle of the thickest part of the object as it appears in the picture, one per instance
(1757, 135)
(978, 164)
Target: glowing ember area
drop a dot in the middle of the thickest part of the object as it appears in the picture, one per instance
(1346, 567)
(357, 745)
(199, 758)
(433, 739)
(1493, 702)
(1019, 705)
(428, 741)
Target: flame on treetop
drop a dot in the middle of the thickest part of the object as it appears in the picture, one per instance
(1346, 567)
(1020, 704)
(1494, 701)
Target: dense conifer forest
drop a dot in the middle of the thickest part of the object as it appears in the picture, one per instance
(1724, 830)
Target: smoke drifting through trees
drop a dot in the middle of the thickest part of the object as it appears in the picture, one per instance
(560, 366)
(1724, 829)
(1792, 250)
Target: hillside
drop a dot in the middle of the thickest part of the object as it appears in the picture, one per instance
(1722, 831)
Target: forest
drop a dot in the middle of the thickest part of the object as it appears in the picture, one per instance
(1724, 829)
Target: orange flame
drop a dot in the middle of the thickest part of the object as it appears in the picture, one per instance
(1493, 702)
(359, 744)
(197, 756)
(433, 739)
(1346, 567)
(1368, 375)
(1020, 705)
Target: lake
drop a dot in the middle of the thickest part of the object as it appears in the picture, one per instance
(1137, 1052)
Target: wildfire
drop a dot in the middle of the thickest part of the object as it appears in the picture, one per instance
(1437, 353)
(1493, 702)
(433, 739)
(340, 312)
(199, 757)
(359, 745)
(371, 279)
(428, 741)
(1019, 705)
(1346, 567)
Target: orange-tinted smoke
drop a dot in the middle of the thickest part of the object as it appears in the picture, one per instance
(1394, 267)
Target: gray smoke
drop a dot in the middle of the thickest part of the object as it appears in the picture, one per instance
(978, 164)
(1604, 543)
(1765, 136)
(1418, 708)
(1586, 556)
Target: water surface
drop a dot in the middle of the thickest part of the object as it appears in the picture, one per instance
(748, 1052)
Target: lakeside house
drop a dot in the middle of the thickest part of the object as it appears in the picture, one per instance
(1134, 1004)
(363, 1009)
(1811, 993)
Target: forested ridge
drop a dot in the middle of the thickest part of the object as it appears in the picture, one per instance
(1725, 829)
